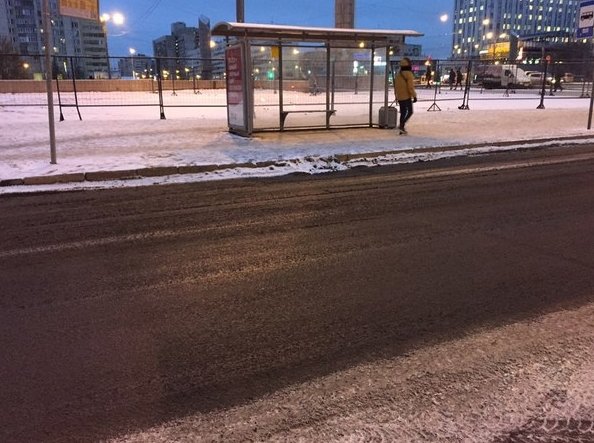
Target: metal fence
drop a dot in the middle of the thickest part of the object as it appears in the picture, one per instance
(495, 79)
(159, 83)
(162, 83)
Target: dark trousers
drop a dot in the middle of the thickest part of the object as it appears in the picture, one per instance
(406, 111)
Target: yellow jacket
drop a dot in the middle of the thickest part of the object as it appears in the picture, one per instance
(405, 85)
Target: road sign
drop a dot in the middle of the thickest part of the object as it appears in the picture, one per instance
(88, 9)
(586, 19)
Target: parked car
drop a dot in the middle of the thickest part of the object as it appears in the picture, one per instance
(536, 78)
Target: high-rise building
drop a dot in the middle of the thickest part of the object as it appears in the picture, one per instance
(138, 66)
(204, 47)
(173, 48)
(480, 26)
(82, 41)
(186, 49)
(344, 14)
(4, 33)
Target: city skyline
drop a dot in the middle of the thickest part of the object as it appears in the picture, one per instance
(147, 21)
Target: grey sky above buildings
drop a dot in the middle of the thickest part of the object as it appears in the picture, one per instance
(147, 20)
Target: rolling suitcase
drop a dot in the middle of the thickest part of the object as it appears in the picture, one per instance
(387, 117)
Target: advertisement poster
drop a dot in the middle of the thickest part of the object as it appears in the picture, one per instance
(236, 105)
(88, 9)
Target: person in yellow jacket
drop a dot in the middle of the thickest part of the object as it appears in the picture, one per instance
(405, 92)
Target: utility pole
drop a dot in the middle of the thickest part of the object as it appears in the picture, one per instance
(344, 14)
(240, 14)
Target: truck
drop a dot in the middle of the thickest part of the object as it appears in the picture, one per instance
(502, 76)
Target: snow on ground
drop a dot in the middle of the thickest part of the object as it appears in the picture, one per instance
(120, 138)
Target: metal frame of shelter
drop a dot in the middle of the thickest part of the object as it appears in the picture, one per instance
(245, 41)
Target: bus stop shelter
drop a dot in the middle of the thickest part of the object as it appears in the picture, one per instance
(293, 77)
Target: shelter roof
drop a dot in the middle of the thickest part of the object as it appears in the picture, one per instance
(309, 34)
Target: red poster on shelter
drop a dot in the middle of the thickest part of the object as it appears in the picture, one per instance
(235, 86)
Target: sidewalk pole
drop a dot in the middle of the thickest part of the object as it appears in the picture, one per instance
(160, 88)
(466, 98)
(47, 38)
(591, 97)
(543, 86)
(59, 99)
(73, 71)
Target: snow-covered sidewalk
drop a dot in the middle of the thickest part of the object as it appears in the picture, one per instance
(129, 139)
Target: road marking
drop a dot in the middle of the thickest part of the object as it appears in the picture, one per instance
(500, 167)
(107, 241)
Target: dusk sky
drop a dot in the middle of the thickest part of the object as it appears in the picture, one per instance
(147, 20)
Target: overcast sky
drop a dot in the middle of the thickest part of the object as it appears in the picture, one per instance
(147, 20)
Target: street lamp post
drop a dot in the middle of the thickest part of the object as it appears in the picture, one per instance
(132, 52)
(47, 32)
(116, 18)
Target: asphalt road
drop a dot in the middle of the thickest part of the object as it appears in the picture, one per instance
(124, 309)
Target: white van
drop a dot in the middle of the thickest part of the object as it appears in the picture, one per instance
(502, 76)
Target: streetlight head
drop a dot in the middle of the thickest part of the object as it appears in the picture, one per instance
(444, 18)
(132, 51)
(486, 21)
(118, 18)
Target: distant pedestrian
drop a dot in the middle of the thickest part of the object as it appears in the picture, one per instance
(459, 78)
(428, 76)
(452, 78)
(313, 85)
(437, 80)
(558, 80)
(405, 92)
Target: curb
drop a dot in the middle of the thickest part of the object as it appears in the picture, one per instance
(160, 171)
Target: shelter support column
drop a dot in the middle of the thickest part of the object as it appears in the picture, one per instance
(371, 85)
(328, 82)
(280, 87)
(387, 78)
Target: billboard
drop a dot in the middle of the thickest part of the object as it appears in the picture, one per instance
(87, 9)
(238, 94)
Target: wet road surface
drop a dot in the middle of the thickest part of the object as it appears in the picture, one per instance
(124, 309)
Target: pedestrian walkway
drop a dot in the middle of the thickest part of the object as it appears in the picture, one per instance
(123, 143)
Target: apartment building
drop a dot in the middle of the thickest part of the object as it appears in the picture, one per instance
(186, 49)
(487, 27)
(79, 46)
